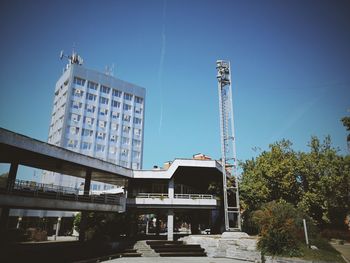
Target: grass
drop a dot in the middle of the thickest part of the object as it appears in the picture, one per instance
(325, 252)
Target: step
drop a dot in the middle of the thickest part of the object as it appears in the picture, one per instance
(131, 254)
(177, 249)
(150, 242)
(129, 250)
(174, 246)
(183, 254)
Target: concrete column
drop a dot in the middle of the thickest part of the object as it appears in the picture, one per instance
(11, 179)
(87, 183)
(19, 220)
(171, 188)
(84, 214)
(58, 225)
(170, 224)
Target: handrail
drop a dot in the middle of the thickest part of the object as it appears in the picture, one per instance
(33, 189)
(179, 196)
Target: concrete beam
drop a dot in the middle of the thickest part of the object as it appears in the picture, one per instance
(15, 201)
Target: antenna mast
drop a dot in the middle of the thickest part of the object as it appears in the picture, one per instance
(228, 148)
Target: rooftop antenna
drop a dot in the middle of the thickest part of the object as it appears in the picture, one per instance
(73, 59)
(228, 148)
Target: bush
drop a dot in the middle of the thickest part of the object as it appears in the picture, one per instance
(280, 226)
(336, 234)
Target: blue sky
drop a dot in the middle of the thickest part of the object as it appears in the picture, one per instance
(290, 67)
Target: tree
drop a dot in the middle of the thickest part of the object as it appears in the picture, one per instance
(346, 123)
(317, 181)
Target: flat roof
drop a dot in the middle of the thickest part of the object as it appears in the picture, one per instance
(30, 152)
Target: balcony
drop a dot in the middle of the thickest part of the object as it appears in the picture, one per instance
(153, 200)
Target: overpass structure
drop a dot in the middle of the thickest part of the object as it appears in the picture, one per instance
(182, 186)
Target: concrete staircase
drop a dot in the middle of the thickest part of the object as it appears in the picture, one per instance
(176, 249)
(144, 249)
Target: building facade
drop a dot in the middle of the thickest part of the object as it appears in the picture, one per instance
(97, 115)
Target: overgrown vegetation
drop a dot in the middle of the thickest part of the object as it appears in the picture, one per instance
(280, 182)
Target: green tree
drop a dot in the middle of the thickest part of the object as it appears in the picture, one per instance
(317, 181)
(346, 123)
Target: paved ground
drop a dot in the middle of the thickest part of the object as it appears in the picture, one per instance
(343, 249)
(175, 260)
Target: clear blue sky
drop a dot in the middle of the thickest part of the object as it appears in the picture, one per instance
(290, 63)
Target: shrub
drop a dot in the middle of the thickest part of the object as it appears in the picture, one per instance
(280, 225)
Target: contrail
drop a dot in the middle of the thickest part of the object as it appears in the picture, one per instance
(161, 64)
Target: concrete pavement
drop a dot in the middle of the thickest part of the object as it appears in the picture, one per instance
(343, 249)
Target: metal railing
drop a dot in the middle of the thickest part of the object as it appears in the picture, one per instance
(152, 195)
(194, 196)
(33, 189)
(179, 196)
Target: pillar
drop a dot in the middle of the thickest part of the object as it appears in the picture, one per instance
(11, 179)
(170, 224)
(19, 220)
(10, 184)
(84, 214)
(171, 188)
(58, 225)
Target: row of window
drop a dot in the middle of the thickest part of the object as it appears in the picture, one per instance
(102, 135)
(94, 86)
(100, 148)
(102, 123)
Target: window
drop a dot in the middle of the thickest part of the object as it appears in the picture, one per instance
(124, 152)
(117, 93)
(103, 100)
(75, 117)
(86, 146)
(77, 92)
(116, 104)
(72, 143)
(115, 115)
(105, 89)
(125, 140)
(136, 154)
(114, 126)
(135, 166)
(112, 149)
(79, 81)
(138, 99)
(102, 124)
(100, 148)
(87, 132)
(90, 108)
(124, 163)
(127, 96)
(90, 96)
(126, 107)
(114, 138)
(137, 120)
(101, 135)
(138, 110)
(126, 129)
(103, 112)
(126, 117)
(136, 143)
(74, 130)
(92, 85)
(76, 105)
(88, 121)
(137, 132)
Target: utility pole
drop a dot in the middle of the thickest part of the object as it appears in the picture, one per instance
(228, 148)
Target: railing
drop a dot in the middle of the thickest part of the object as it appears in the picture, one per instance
(151, 195)
(179, 196)
(33, 189)
(194, 196)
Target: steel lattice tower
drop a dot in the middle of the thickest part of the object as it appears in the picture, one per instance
(228, 148)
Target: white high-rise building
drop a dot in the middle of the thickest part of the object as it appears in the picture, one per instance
(98, 115)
